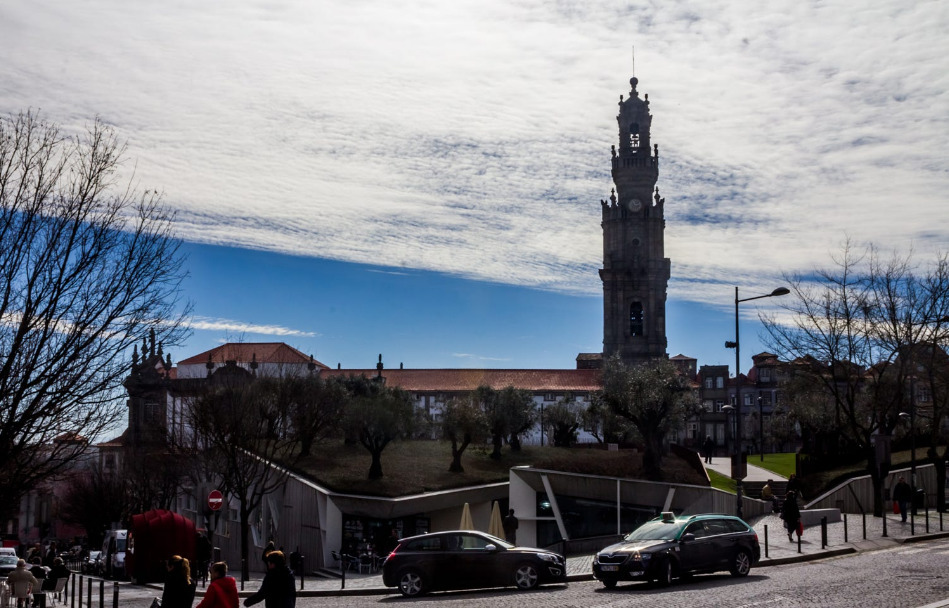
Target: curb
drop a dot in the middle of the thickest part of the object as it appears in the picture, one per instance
(805, 557)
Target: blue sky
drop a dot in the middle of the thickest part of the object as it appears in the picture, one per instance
(422, 179)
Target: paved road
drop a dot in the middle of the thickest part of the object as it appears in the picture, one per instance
(904, 576)
(901, 577)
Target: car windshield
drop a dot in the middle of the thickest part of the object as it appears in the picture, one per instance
(7, 559)
(655, 530)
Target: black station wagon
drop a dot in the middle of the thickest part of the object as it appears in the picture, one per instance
(671, 546)
(467, 559)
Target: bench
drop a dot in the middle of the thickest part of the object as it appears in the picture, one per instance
(812, 517)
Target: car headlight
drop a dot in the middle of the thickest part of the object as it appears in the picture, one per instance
(549, 557)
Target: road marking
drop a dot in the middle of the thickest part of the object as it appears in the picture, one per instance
(777, 598)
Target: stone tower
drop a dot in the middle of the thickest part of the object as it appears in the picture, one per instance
(635, 273)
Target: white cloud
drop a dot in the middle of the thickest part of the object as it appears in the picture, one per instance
(472, 137)
(208, 324)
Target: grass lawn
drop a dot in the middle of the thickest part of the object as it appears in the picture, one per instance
(412, 467)
(781, 464)
(722, 482)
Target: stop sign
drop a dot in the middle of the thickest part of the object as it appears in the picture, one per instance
(215, 500)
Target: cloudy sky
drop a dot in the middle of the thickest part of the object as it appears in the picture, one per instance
(422, 179)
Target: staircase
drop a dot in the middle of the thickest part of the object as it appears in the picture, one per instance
(752, 489)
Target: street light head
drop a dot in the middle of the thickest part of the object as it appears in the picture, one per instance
(728, 408)
(904, 416)
(781, 291)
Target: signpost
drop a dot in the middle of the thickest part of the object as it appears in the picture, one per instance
(215, 500)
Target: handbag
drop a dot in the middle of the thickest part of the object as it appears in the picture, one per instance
(800, 528)
(896, 507)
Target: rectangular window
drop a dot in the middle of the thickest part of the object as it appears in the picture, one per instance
(720, 382)
(708, 383)
(766, 374)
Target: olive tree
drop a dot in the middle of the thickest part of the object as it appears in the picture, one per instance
(654, 397)
(88, 268)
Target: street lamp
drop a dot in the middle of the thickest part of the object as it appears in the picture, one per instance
(737, 469)
(761, 428)
(728, 427)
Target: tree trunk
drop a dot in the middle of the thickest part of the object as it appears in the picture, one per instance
(375, 469)
(496, 452)
(456, 453)
(245, 543)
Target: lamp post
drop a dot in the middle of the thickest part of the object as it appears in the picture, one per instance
(760, 428)
(737, 470)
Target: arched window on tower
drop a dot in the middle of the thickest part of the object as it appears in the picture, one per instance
(634, 135)
(636, 319)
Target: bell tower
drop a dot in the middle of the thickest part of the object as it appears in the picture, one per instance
(635, 273)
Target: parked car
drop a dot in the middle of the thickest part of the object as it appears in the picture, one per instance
(670, 546)
(8, 551)
(92, 564)
(7, 564)
(467, 559)
(113, 548)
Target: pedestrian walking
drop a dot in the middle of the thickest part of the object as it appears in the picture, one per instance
(902, 494)
(278, 589)
(791, 514)
(510, 524)
(179, 588)
(708, 447)
(222, 592)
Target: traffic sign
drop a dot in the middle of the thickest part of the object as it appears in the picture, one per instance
(215, 500)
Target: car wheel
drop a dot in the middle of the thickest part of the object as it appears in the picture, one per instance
(411, 584)
(664, 575)
(609, 584)
(741, 564)
(525, 577)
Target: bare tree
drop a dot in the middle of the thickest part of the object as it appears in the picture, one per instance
(94, 499)
(86, 272)
(854, 332)
(654, 397)
(240, 424)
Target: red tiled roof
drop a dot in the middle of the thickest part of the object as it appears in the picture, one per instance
(265, 352)
(463, 380)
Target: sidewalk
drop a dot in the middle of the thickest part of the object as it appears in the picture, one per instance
(723, 465)
(779, 552)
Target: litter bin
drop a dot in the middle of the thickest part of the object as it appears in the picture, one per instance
(919, 499)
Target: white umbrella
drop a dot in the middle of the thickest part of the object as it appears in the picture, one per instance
(496, 526)
(466, 523)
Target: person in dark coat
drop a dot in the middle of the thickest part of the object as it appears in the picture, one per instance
(510, 524)
(791, 514)
(179, 588)
(902, 494)
(708, 447)
(278, 589)
(58, 571)
(38, 570)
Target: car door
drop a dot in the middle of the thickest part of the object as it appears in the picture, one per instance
(721, 541)
(695, 554)
(482, 567)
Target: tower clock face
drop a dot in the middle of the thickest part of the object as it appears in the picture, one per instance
(635, 204)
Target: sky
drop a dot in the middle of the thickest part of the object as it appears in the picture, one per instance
(422, 179)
